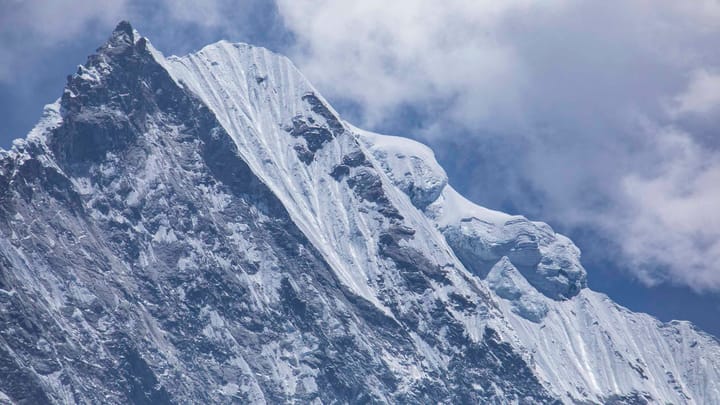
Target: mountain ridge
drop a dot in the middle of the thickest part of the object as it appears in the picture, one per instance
(379, 281)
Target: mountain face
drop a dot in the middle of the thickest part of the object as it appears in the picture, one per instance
(207, 229)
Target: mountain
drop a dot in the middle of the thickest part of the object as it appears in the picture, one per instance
(207, 229)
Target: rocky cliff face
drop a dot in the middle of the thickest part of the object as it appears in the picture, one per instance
(207, 229)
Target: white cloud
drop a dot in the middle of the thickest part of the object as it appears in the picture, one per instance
(385, 54)
(702, 95)
(673, 218)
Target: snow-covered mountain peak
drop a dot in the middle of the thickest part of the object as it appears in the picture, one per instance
(207, 228)
(123, 34)
(121, 86)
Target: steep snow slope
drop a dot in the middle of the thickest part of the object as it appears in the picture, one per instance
(585, 345)
(299, 147)
(366, 229)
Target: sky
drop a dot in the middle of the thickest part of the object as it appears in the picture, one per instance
(601, 118)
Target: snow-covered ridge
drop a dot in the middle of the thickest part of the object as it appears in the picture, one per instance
(261, 98)
(587, 346)
(479, 236)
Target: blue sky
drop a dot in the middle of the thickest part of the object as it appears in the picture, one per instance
(599, 117)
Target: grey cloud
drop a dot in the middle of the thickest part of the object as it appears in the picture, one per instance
(29, 27)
